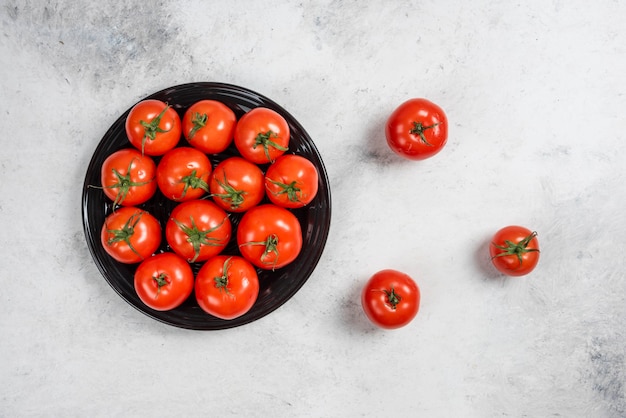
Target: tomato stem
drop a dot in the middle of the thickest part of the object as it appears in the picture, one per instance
(232, 196)
(151, 129)
(198, 238)
(392, 298)
(293, 192)
(161, 280)
(271, 246)
(124, 183)
(199, 121)
(126, 232)
(194, 181)
(221, 282)
(264, 139)
(419, 129)
(518, 250)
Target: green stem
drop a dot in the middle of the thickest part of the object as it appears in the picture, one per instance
(419, 129)
(393, 298)
(292, 191)
(516, 249)
(151, 129)
(197, 238)
(265, 139)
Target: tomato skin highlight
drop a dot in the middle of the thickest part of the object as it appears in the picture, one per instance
(209, 126)
(269, 236)
(385, 289)
(524, 252)
(291, 181)
(165, 130)
(140, 231)
(227, 286)
(417, 129)
(262, 135)
(236, 184)
(128, 178)
(183, 174)
(198, 222)
(164, 281)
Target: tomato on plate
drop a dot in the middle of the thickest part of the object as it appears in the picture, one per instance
(390, 299)
(514, 250)
(237, 185)
(127, 177)
(417, 129)
(183, 174)
(209, 126)
(153, 127)
(198, 230)
(269, 236)
(262, 135)
(130, 235)
(226, 286)
(291, 181)
(164, 281)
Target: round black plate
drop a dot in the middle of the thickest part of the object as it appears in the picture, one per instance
(276, 287)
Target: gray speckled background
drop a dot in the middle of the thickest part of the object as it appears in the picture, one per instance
(535, 96)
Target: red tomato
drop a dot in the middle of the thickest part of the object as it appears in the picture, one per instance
(209, 125)
(417, 129)
(291, 181)
(261, 135)
(514, 250)
(198, 230)
(128, 177)
(153, 127)
(390, 299)
(183, 174)
(227, 286)
(163, 281)
(237, 185)
(269, 236)
(130, 235)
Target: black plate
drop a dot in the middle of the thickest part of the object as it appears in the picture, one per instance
(276, 287)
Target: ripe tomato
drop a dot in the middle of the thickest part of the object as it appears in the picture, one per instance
(269, 236)
(163, 281)
(237, 185)
(153, 127)
(390, 299)
(261, 135)
(128, 177)
(514, 250)
(198, 230)
(291, 181)
(227, 286)
(130, 235)
(417, 129)
(183, 174)
(209, 126)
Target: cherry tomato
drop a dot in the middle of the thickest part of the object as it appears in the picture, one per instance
(130, 235)
(183, 174)
(209, 126)
(128, 177)
(226, 286)
(390, 299)
(417, 129)
(262, 135)
(291, 181)
(269, 236)
(237, 185)
(514, 250)
(153, 127)
(198, 230)
(163, 281)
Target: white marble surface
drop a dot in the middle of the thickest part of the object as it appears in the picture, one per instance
(535, 94)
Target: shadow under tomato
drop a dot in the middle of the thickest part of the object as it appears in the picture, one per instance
(482, 260)
(353, 317)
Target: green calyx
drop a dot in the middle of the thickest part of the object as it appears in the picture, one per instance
(199, 121)
(231, 195)
(127, 231)
(419, 129)
(516, 249)
(265, 140)
(160, 280)
(124, 183)
(197, 238)
(271, 246)
(221, 282)
(151, 129)
(292, 191)
(393, 298)
(193, 181)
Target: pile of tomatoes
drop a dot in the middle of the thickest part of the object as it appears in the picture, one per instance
(169, 154)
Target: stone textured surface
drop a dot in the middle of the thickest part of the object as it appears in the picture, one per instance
(535, 95)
